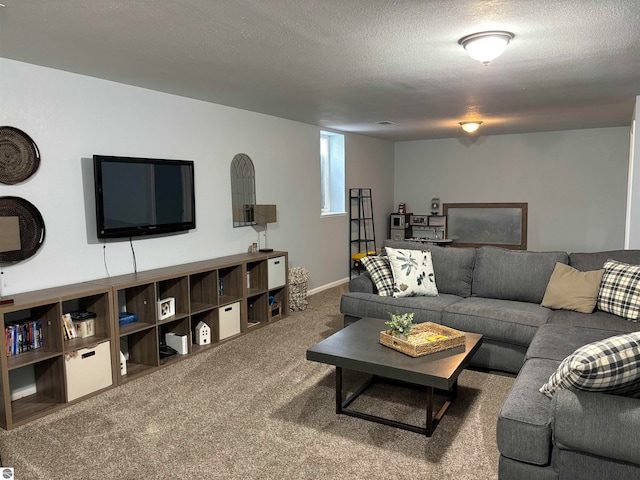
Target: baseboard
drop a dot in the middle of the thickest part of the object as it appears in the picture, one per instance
(328, 286)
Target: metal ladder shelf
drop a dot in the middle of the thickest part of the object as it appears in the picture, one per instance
(362, 233)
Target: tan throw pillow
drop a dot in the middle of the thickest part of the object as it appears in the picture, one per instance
(571, 289)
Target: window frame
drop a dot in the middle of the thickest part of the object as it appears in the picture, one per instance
(332, 174)
(325, 174)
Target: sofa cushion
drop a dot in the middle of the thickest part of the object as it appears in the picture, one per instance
(412, 273)
(605, 426)
(557, 342)
(426, 309)
(380, 272)
(513, 275)
(571, 289)
(453, 267)
(611, 366)
(578, 465)
(524, 422)
(594, 261)
(599, 320)
(500, 356)
(620, 290)
(501, 320)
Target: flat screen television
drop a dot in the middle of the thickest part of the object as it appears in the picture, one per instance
(143, 196)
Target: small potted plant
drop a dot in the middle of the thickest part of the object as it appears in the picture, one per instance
(401, 324)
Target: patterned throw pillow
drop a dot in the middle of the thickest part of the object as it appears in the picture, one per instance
(611, 366)
(412, 273)
(380, 272)
(620, 290)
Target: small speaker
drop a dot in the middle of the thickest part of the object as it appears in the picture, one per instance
(435, 206)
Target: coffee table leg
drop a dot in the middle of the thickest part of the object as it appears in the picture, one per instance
(429, 427)
(341, 405)
(338, 389)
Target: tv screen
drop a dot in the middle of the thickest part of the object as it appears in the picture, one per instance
(143, 196)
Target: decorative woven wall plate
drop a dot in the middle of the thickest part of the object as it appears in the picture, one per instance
(31, 227)
(19, 156)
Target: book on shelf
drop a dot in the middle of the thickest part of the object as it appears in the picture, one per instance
(68, 328)
(23, 336)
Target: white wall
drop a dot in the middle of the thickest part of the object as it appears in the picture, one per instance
(574, 181)
(632, 234)
(72, 117)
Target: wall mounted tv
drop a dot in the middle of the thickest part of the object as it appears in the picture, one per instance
(143, 196)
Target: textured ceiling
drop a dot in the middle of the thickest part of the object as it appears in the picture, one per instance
(348, 64)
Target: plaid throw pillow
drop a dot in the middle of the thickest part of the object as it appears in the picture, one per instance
(609, 366)
(620, 290)
(381, 275)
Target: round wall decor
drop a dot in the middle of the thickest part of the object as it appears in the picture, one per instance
(19, 156)
(31, 227)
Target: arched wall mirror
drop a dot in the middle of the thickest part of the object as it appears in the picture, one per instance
(243, 190)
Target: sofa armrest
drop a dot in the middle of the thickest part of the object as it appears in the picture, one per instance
(363, 284)
(597, 424)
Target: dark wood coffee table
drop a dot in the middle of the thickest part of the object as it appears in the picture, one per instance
(357, 348)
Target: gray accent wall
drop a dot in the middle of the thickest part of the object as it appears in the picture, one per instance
(574, 181)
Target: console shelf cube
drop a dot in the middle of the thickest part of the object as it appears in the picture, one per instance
(203, 287)
(226, 294)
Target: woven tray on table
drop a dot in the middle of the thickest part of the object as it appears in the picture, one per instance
(417, 344)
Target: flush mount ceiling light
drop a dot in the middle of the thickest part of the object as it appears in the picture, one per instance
(486, 46)
(470, 127)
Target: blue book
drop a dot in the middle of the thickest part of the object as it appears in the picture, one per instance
(126, 317)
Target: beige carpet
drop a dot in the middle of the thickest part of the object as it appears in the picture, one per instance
(255, 408)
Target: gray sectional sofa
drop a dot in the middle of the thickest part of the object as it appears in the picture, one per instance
(497, 292)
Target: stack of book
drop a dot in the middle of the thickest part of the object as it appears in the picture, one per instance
(68, 328)
(23, 337)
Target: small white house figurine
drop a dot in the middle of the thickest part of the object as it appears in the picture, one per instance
(123, 364)
(203, 334)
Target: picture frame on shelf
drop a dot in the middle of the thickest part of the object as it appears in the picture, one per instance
(166, 308)
(275, 309)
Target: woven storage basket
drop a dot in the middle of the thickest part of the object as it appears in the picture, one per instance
(454, 339)
(298, 283)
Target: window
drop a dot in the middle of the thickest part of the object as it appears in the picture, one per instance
(325, 180)
(332, 173)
